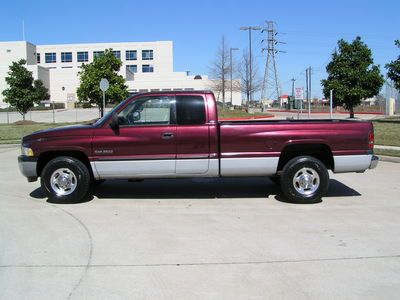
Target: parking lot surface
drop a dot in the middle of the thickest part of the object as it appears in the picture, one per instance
(201, 239)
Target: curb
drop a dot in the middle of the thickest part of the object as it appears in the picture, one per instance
(5, 146)
(392, 159)
(387, 147)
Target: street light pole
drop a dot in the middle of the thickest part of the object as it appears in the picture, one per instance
(250, 28)
(230, 51)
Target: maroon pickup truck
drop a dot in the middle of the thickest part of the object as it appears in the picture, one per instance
(178, 135)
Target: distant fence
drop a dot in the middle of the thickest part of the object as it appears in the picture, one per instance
(391, 93)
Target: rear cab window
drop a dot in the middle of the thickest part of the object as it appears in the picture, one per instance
(191, 110)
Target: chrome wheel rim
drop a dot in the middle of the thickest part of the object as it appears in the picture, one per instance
(306, 181)
(63, 181)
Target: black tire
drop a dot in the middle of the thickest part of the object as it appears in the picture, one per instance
(304, 179)
(70, 177)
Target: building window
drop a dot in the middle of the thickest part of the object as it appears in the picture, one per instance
(38, 58)
(147, 54)
(131, 55)
(50, 58)
(66, 56)
(131, 68)
(82, 56)
(147, 68)
(117, 54)
(97, 54)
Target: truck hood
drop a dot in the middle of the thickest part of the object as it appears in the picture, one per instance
(64, 131)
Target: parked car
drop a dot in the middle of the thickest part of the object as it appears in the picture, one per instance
(178, 135)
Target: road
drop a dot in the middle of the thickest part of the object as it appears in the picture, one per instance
(201, 239)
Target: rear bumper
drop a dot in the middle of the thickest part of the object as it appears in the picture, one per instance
(374, 162)
(354, 163)
(27, 166)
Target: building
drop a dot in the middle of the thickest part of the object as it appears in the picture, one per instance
(146, 66)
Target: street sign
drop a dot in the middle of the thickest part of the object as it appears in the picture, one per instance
(299, 94)
(104, 85)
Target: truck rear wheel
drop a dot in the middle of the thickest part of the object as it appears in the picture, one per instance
(65, 179)
(304, 179)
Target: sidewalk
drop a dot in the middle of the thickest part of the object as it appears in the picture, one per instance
(387, 147)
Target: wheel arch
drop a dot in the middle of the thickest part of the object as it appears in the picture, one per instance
(319, 151)
(47, 156)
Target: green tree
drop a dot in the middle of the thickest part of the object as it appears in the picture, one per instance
(394, 69)
(105, 66)
(352, 75)
(22, 90)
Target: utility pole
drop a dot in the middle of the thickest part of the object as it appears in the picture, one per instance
(270, 85)
(309, 92)
(250, 28)
(293, 80)
(54, 113)
(231, 69)
(8, 114)
(331, 103)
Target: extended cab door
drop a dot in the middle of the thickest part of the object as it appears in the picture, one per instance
(193, 141)
(145, 143)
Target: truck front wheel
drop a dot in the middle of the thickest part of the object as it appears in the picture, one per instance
(304, 179)
(65, 179)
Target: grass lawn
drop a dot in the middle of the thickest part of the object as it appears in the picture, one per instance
(387, 131)
(387, 152)
(12, 133)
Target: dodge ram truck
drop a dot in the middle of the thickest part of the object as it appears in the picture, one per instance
(178, 135)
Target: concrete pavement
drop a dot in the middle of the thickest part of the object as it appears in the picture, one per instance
(201, 239)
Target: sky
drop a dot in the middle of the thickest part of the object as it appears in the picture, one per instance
(310, 29)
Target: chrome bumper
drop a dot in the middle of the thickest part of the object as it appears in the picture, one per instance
(27, 166)
(374, 162)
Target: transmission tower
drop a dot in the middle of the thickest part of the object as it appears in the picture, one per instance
(270, 86)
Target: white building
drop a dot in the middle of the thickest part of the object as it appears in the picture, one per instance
(146, 66)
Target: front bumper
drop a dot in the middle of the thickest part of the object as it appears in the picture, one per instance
(374, 162)
(27, 166)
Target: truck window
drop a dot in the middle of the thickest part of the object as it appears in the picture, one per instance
(190, 110)
(147, 111)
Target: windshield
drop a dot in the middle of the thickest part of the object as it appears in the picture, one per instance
(107, 115)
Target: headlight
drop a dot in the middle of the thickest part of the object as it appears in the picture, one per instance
(26, 151)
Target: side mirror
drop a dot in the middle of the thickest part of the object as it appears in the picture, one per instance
(136, 116)
(114, 124)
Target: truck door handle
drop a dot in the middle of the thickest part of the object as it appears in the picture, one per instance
(167, 135)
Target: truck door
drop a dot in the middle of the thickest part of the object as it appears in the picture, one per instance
(145, 143)
(192, 135)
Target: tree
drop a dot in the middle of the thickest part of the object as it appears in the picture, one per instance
(394, 69)
(244, 74)
(23, 91)
(220, 69)
(352, 75)
(105, 66)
